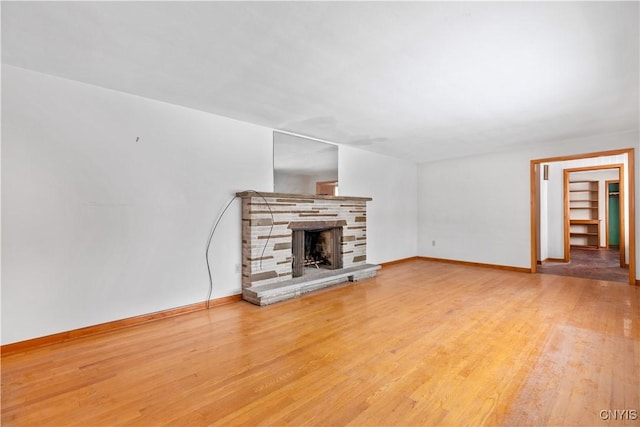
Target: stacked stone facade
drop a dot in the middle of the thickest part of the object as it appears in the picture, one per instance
(268, 220)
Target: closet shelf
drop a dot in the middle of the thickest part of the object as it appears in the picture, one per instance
(584, 222)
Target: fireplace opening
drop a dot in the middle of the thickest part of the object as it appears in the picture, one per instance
(316, 249)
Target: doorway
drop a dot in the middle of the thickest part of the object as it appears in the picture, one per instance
(586, 218)
(613, 213)
(538, 222)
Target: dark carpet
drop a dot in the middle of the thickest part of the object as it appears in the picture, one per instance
(599, 264)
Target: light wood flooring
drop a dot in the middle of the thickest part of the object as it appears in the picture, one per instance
(424, 343)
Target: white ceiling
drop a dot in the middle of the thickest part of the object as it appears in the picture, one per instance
(417, 80)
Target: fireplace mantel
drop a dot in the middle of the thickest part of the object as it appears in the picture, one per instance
(269, 222)
(301, 196)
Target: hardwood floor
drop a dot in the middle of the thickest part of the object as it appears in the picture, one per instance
(424, 343)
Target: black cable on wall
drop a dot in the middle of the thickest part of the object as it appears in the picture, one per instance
(213, 230)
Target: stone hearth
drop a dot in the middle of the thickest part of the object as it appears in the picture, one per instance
(276, 265)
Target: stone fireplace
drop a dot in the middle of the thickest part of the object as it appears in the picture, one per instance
(292, 244)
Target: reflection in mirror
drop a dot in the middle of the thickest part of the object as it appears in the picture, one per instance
(304, 166)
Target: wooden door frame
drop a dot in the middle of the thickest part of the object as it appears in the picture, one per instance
(326, 184)
(567, 242)
(533, 165)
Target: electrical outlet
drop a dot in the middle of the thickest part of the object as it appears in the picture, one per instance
(237, 268)
(433, 243)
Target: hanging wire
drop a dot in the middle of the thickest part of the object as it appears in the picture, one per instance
(213, 230)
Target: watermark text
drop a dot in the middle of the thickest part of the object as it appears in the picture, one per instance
(619, 414)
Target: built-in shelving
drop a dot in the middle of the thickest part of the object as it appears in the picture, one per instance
(584, 222)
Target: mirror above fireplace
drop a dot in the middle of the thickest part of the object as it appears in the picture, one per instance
(304, 166)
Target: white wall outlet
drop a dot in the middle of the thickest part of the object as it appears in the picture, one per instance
(433, 243)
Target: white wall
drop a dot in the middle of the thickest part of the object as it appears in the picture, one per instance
(391, 215)
(477, 208)
(543, 217)
(554, 213)
(98, 226)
